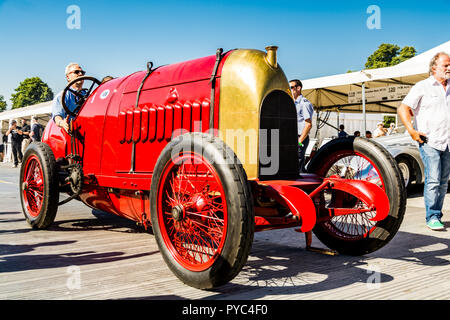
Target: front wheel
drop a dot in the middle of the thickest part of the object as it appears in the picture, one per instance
(39, 191)
(360, 159)
(201, 210)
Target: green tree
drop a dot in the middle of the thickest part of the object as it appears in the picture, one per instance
(2, 103)
(404, 54)
(31, 91)
(389, 55)
(387, 120)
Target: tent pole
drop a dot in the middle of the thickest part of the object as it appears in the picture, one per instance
(363, 88)
(337, 124)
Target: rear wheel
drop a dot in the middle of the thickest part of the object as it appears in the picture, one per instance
(39, 192)
(202, 214)
(361, 159)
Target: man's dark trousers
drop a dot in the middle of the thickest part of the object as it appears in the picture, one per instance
(301, 154)
(17, 151)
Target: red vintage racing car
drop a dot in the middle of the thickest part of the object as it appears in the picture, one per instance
(204, 152)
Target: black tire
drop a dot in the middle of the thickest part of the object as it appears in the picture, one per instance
(333, 233)
(406, 171)
(236, 222)
(39, 193)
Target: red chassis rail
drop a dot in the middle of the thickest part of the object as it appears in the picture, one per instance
(307, 209)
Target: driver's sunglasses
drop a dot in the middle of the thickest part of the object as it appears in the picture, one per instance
(79, 72)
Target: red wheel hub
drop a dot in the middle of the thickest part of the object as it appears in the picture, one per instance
(178, 213)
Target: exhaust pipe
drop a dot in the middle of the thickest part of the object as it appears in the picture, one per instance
(271, 56)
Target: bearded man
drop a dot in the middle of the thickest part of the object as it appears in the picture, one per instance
(429, 102)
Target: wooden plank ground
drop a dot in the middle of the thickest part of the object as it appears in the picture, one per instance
(93, 255)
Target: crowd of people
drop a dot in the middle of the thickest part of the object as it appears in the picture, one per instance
(18, 137)
(379, 131)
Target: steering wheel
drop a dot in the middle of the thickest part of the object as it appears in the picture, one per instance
(80, 96)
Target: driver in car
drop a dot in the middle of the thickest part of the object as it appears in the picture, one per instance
(60, 117)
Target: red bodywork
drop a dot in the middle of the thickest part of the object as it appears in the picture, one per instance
(174, 98)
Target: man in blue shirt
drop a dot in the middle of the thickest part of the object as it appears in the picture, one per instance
(342, 133)
(61, 119)
(305, 112)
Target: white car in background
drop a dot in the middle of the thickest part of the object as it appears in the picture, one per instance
(406, 152)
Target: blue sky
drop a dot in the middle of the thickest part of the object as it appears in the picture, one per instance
(315, 38)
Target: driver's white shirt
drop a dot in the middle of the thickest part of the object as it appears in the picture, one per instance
(430, 103)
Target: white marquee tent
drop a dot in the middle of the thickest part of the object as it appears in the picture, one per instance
(41, 110)
(344, 92)
(331, 92)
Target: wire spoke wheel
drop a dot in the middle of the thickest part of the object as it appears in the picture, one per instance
(39, 185)
(354, 166)
(201, 210)
(357, 159)
(33, 186)
(192, 211)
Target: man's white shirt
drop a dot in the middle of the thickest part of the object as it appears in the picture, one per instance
(430, 104)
